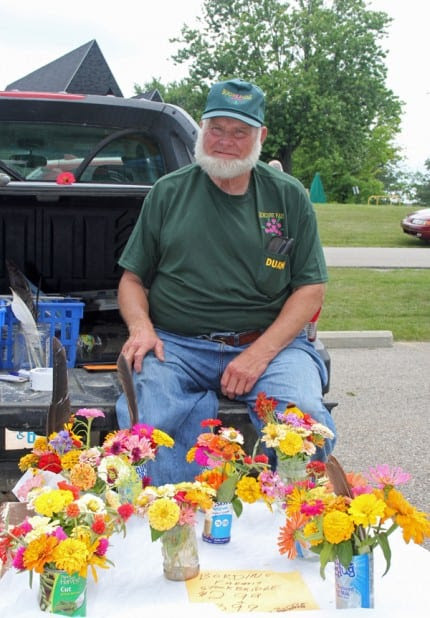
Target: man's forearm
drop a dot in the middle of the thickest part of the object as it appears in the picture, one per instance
(133, 302)
(297, 311)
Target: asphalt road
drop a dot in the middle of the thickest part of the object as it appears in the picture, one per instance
(378, 257)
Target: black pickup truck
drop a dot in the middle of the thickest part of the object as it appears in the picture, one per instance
(74, 171)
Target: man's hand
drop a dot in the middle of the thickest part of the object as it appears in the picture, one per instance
(139, 343)
(242, 373)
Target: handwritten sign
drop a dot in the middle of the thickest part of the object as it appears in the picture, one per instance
(251, 591)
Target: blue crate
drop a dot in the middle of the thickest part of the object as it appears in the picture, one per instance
(3, 306)
(62, 315)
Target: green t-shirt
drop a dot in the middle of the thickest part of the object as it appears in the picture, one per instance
(203, 253)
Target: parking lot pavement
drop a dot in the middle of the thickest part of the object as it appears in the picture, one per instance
(383, 412)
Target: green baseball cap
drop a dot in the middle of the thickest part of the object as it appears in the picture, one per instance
(236, 98)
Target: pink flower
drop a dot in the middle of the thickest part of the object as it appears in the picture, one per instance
(60, 534)
(312, 509)
(384, 475)
(18, 560)
(31, 483)
(90, 412)
(65, 178)
(201, 457)
(102, 546)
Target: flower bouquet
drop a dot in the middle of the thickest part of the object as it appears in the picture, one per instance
(230, 472)
(227, 468)
(293, 435)
(345, 518)
(117, 465)
(67, 535)
(172, 513)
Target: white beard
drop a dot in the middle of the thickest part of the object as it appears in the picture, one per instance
(226, 168)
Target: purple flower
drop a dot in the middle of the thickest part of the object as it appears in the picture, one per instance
(60, 534)
(62, 442)
(18, 559)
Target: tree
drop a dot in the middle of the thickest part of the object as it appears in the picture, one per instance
(322, 69)
(422, 186)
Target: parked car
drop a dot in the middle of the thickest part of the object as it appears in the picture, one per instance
(417, 224)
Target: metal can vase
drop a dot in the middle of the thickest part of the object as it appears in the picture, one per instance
(217, 524)
(354, 584)
(63, 594)
(180, 553)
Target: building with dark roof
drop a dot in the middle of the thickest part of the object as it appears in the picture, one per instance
(82, 71)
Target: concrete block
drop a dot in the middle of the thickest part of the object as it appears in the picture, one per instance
(356, 338)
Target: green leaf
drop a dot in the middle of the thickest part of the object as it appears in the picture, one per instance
(385, 546)
(237, 506)
(344, 553)
(155, 534)
(226, 490)
(327, 554)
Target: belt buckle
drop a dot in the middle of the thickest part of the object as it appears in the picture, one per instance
(222, 337)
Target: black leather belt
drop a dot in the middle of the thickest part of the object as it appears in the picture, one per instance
(235, 339)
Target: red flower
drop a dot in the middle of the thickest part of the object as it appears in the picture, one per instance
(50, 462)
(211, 422)
(75, 490)
(65, 178)
(247, 460)
(99, 524)
(261, 459)
(316, 467)
(265, 406)
(126, 511)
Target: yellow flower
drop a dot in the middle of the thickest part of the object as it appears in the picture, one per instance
(415, 524)
(162, 439)
(41, 444)
(295, 500)
(83, 476)
(39, 552)
(70, 459)
(248, 489)
(291, 444)
(52, 502)
(163, 514)
(271, 434)
(190, 455)
(71, 555)
(27, 461)
(310, 532)
(366, 509)
(337, 527)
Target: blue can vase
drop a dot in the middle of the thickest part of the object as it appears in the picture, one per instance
(217, 524)
(354, 583)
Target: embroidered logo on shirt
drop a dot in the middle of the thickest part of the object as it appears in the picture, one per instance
(278, 264)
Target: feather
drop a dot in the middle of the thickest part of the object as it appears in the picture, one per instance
(59, 410)
(337, 477)
(19, 282)
(29, 329)
(126, 378)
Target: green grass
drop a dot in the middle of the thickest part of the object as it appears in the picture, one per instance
(365, 299)
(360, 225)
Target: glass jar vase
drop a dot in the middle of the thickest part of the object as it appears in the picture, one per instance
(180, 553)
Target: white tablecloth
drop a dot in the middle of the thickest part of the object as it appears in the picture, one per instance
(135, 587)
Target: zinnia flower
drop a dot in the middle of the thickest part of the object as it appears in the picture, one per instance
(83, 476)
(90, 413)
(52, 502)
(71, 556)
(337, 527)
(366, 509)
(162, 439)
(39, 552)
(291, 444)
(50, 462)
(65, 178)
(163, 514)
(248, 489)
(385, 475)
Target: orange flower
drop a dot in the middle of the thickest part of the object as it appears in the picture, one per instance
(72, 510)
(39, 552)
(287, 535)
(83, 475)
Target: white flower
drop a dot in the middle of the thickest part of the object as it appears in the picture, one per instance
(232, 435)
(89, 503)
(322, 430)
(41, 526)
(114, 470)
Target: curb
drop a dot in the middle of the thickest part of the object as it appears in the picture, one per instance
(356, 338)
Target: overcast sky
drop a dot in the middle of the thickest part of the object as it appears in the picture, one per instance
(133, 36)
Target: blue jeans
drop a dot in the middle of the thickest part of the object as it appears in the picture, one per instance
(177, 394)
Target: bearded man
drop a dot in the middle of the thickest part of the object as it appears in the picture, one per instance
(222, 272)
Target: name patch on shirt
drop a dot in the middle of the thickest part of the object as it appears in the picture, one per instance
(278, 264)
